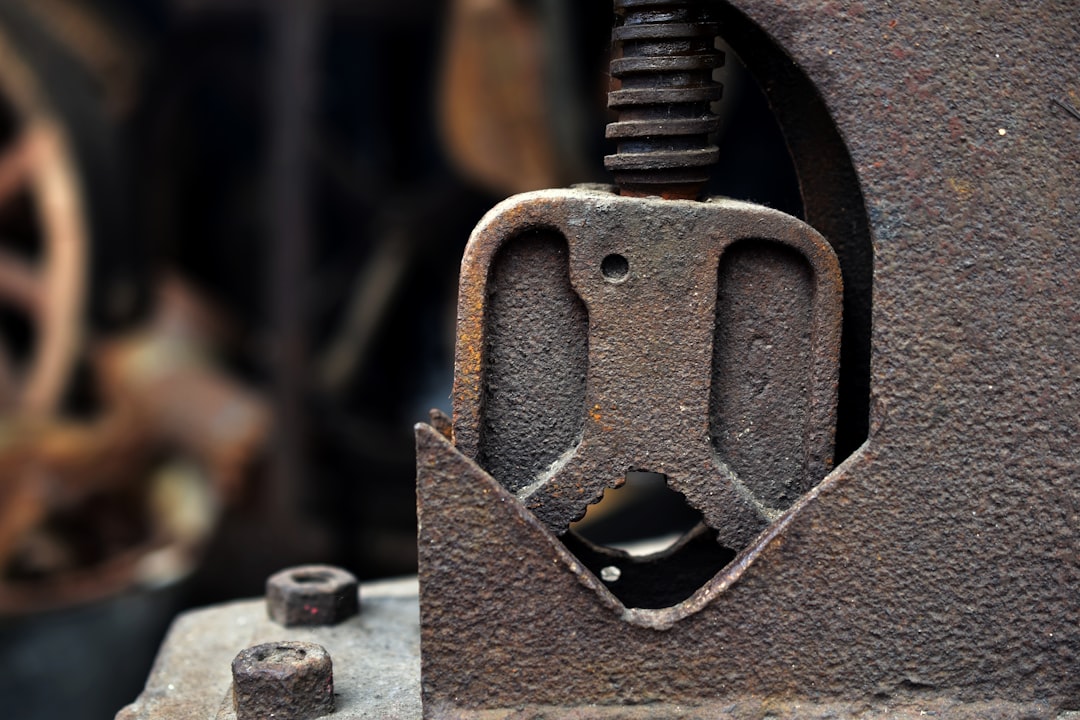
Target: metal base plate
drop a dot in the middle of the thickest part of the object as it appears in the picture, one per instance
(377, 674)
(376, 657)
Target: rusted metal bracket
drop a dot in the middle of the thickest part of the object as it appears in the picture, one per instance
(910, 573)
(600, 334)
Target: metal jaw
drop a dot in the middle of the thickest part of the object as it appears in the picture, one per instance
(696, 340)
(600, 334)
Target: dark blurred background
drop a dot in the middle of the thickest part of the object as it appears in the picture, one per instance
(229, 240)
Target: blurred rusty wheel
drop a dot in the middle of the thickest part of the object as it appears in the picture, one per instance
(44, 238)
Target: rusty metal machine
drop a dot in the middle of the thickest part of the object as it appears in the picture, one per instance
(873, 408)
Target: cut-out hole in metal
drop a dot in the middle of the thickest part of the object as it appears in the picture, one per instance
(642, 517)
(536, 356)
(646, 544)
(783, 149)
(615, 268)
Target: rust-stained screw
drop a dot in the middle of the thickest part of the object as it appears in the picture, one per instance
(664, 58)
(312, 595)
(283, 680)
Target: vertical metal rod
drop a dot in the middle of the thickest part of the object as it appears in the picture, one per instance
(293, 71)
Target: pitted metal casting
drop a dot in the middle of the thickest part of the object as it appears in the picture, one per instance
(708, 353)
(601, 334)
(913, 575)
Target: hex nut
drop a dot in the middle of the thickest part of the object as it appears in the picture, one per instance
(312, 595)
(283, 680)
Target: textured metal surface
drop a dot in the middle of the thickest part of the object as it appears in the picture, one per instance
(288, 680)
(664, 57)
(376, 658)
(710, 335)
(942, 558)
(377, 676)
(312, 595)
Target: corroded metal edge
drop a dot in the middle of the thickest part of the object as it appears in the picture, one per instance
(745, 708)
(442, 467)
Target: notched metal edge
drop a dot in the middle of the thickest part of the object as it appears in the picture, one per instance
(430, 443)
(770, 537)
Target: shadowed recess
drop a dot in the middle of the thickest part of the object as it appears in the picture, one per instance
(647, 545)
(535, 359)
(832, 203)
(759, 402)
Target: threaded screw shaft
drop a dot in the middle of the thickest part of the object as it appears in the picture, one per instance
(664, 55)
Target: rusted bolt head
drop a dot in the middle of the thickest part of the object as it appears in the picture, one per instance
(312, 595)
(283, 680)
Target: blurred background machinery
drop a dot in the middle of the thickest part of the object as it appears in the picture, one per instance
(229, 240)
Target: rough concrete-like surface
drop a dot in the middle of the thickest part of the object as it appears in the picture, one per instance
(376, 658)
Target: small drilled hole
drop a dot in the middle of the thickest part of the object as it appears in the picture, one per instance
(615, 268)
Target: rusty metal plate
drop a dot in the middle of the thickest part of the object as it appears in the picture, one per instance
(599, 334)
(494, 646)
